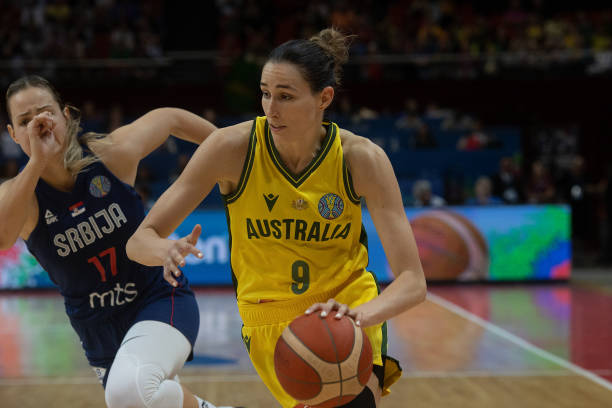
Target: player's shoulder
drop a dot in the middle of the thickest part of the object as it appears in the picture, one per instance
(358, 148)
(233, 136)
(5, 185)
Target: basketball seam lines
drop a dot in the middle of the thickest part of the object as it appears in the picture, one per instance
(304, 360)
(337, 358)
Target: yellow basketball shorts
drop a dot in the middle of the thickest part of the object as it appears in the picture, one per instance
(264, 323)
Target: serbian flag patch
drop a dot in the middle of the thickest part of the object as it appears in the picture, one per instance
(76, 209)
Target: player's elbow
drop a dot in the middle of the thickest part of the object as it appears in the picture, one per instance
(130, 247)
(419, 290)
(4, 245)
(6, 241)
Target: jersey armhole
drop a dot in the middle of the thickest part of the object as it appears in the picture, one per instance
(37, 224)
(348, 184)
(246, 169)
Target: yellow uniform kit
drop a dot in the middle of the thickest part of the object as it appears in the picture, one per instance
(296, 240)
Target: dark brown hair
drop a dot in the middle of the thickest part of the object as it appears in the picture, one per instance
(320, 58)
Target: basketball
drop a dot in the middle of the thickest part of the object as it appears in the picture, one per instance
(323, 362)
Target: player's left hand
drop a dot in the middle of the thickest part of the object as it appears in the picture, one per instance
(340, 310)
(176, 253)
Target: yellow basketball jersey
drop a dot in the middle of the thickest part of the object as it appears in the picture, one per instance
(293, 235)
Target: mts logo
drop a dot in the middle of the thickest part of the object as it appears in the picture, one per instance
(117, 296)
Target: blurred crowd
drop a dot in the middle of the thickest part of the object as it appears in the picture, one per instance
(420, 26)
(77, 29)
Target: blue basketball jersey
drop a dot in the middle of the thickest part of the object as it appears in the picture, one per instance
(80, 241)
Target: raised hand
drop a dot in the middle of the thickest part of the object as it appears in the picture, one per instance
(44, 143)
(176, 253)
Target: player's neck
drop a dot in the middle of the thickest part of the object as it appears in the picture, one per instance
(298, 152)
(58, 177)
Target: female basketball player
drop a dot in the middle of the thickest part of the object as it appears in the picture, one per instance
(292, 185)
(75, 206)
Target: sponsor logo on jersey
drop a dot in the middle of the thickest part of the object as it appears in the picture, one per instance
(90, 230)
(50, 218)
(116, 296)
(331, 206)
(99, 186)
(270, 200)
(77, 209)
(299, 204)
(298, 230)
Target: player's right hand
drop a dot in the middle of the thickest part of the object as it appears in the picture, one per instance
(176, 253)
(44, 143)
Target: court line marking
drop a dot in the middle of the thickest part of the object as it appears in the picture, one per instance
(94, 380)
(243, 378)
(484, 373)
(503, 333)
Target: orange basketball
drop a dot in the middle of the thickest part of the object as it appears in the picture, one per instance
(323, 362)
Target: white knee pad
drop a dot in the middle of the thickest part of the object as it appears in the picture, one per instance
(144, 370)
(141, 386)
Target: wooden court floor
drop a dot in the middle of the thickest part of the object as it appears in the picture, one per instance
(466, 346)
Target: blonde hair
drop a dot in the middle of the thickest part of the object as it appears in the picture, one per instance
(75, 159)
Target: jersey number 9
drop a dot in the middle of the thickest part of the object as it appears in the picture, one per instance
(300, 273)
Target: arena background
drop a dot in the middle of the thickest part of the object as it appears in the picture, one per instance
(510, 96)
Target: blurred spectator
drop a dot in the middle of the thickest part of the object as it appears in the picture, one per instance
(476, 140)
(144, 175)
(210, 115)
(145, 194)
(366, 113)
(433, 111)
(410, 117)
(423, 139)
(423, 196)
(540, 188)
(574, 191)
(507, 182)
(483, 193)
(115, 117)
(182, 161)
(92, 119)
(8, 148)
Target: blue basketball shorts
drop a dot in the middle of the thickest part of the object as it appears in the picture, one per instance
(101, 337)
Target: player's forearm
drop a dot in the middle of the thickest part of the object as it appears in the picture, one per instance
(406, 291)
(146, 247)
(188, 126)
(15, 203)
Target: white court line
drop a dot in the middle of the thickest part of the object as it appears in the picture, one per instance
(517, 340)
(486, 374)
(94, 380)
(244, 378)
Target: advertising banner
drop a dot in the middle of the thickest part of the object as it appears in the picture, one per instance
(503, 243)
